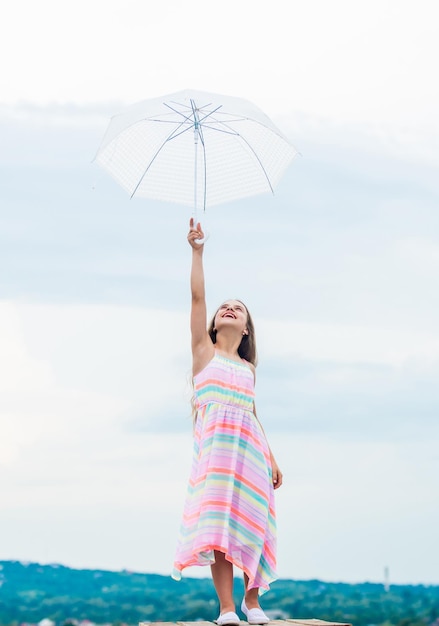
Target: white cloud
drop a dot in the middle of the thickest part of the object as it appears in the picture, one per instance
(341, 61)
(347, 344)
(70, 374)
(350, 507)
(18, 370)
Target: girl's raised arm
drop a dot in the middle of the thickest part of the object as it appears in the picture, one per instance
(202, 346)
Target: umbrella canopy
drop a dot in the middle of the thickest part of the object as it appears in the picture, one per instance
(195, 148)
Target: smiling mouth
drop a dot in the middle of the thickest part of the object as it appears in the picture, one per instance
(228, 314)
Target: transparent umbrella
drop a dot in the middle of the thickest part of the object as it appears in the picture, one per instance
(195, 148)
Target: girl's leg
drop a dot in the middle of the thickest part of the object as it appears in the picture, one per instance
(222, 574)
(251, 596)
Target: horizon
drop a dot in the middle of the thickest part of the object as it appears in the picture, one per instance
(385, 582)
(55, 565)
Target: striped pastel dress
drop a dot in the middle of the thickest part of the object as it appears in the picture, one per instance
(230, 499)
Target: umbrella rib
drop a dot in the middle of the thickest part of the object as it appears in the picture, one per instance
(226, 129)
(221, 130)
(230, 131)
(260, 163)
(168, 138)
(209, 113)
(189, 117)
(173, 135)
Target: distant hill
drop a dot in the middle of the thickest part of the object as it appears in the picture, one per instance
(30, 592)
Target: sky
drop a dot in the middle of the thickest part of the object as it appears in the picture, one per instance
(339, 269)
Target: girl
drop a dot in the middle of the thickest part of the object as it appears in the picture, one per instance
(229, 516)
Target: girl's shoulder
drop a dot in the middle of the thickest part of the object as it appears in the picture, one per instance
(202, 358)
(251, 367)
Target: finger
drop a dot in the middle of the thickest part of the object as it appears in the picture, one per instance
(194, 235)
(191, 222)
(277, 479)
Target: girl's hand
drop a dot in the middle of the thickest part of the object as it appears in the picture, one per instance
(277, 474)
(195, 232)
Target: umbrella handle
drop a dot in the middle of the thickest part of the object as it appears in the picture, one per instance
(206, 232)
(205, 238)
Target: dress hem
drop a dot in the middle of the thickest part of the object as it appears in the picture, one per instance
(205, 561)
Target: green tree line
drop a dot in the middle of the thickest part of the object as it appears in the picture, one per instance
(30, 592)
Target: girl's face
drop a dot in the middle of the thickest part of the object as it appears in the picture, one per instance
(232, 312)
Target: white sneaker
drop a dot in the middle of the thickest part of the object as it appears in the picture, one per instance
(228, 619)
(254, 616)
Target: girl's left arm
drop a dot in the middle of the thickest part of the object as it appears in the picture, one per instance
(277, 474)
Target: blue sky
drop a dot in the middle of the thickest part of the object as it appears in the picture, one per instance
(339, 268)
